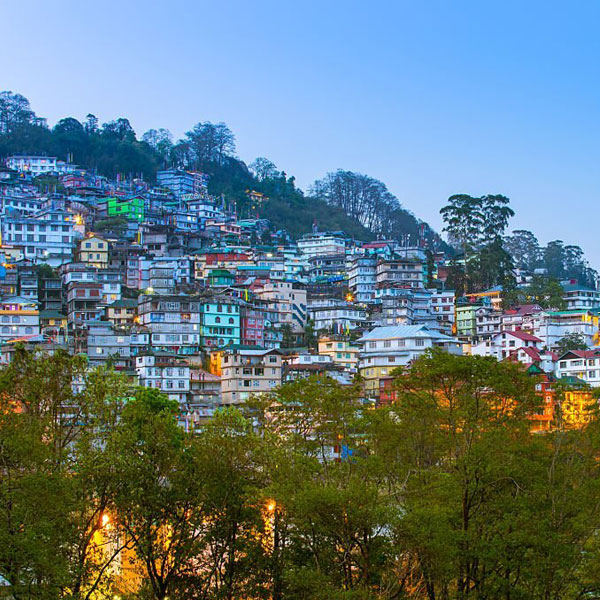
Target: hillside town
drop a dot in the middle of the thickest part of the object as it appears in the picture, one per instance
(167, 284)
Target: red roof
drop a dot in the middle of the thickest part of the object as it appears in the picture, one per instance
(524, 309)
(522, 335)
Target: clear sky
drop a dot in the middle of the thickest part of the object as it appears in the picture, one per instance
(431, 97)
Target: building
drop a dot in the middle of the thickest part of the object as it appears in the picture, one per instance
(221, 322)
(583, 364)
(122, 312)
(47, 237)
(362, 277)
(173, 321)
(341, 350)
(336, 316)
(385, 348)
(182, 183)
(501, 345)
(166, 372)
(245, 372)
(93, 250)
(580, 297)
(33, 164)
(132, 209)
(19, 318)
(322, 244)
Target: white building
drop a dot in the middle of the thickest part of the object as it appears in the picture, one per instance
(583, 364)
(580, 297)
(505, 343)
(19, 317)
(362, 277)
(339, 316)
(552, 326)
(47, 236)
(36, 165)
(166, 372)
(321, 244)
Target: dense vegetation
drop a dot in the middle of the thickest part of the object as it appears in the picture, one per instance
(443, 494)
(488, 257)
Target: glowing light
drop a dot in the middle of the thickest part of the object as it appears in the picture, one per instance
(271, 506)
(105, 520)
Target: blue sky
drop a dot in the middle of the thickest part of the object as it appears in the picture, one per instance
(431, 97)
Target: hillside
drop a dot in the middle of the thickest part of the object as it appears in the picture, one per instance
(351, 202)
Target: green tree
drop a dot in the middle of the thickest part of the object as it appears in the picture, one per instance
(571, 341)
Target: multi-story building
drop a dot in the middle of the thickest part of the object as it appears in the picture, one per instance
(221, 322)
(245, 372)
(122, 312)
(19, 318)
(580, 297)
(337, 316)
(183, 183)
(252, 325)
(341, 351)
(582, 364)
(47, 237)
(322, 243)
(83, 302)
(362, 277)
(286, 299)
(501, 345)
(164, 371)
(33, 164)
(93, 250)
(174, 321)
(409, 270)
(385, 348)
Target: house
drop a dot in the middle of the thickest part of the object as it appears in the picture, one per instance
(32, 164)
(322, 243)
(502, 344)
(221, 321)
(93, 250)
(385, 348)
(245, 372)
(123, 311)
(164, 371)
(19, 318)
(578, 297)
(341, 350)
(174, 322)
(583, 364)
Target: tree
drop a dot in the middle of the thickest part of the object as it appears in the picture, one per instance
(288, 340)
(210, 142)
(263, 169)
(161, 140)
(524, 248)
(53, 489)
(15, 112)
(482, 515)
(360, 196)
(571, 341)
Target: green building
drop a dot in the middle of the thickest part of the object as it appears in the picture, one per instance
(130, 208)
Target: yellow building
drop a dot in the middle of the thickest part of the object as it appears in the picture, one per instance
(341, 351)
(94, 251)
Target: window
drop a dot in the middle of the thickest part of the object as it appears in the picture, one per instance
(419, 342)
(387, 344)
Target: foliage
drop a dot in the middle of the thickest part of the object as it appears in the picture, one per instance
(556, 260)
(308, 493)
(370, 202)
(476, 225)
(571, 341)
(545, 291)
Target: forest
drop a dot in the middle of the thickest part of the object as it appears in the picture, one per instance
(305, 493)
